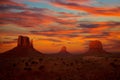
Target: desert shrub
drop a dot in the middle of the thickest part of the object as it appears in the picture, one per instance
(78, 69)
(55, 64)
(61, 59)
(40, 59)
(71, 64)
(28, 68)
(59, 78)
(34, 62)
(23, 60)
(26, 64)
(113, 64)
(63, 62)
(82, 62)
(41, 67)
(14, 65)
(67, 64)
(76, 61)
(115, 60)
(30, 59)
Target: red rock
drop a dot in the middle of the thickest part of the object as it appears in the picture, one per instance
(24, 41)
(64, 50)
(24, 48)
(96, 47)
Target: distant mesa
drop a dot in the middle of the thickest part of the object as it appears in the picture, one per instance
(64, 50)
(96, 47)
(24, 48)
(24, 42)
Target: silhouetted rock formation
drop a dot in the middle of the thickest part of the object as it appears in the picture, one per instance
(96, 47)
(24, 41)
(63, 50)
(24, 48)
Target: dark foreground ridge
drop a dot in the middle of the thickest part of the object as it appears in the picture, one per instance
(25, 63)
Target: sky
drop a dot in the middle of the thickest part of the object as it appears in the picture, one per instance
(56, 23)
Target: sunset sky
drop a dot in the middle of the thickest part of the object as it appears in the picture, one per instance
(56, 23)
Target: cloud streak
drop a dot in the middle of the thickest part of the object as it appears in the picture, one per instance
(69, 20)
(90, 9)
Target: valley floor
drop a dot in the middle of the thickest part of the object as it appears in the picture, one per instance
(55, 67)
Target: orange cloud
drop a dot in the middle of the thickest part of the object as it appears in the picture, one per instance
(9, 2)
(56, 29)
(89, 9)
